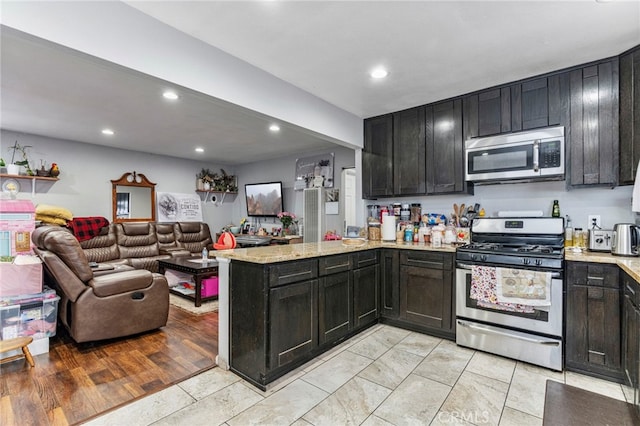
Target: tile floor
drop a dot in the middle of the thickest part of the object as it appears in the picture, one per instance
(383, 376)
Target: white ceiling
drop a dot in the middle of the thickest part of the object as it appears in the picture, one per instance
(433, 50)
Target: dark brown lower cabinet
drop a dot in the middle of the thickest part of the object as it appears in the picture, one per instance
(365, 296)
(594, 320)
(335, 306)
(389, 283)
(293, 327)
(631, 338)
(426, 290)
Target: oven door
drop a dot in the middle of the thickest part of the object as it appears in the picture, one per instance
(544, 320)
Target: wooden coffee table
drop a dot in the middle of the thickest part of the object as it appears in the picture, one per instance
(192, 266)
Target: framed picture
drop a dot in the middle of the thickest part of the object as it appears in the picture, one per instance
(310, 169)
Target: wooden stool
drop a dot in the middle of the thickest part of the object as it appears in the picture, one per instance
(17, 343)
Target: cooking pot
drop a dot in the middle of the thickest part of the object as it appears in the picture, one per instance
(626, 237)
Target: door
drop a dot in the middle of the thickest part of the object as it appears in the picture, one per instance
(594, 319)
(426, 296)
(593, 141)
(377, 157)
(365, 296)
(389, 283)
(409, 152)
(293, 328)
(348, 198)
(335, 306)
(445, 150)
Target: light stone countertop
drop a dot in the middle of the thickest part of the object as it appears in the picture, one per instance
(284, 253)
(631, 265)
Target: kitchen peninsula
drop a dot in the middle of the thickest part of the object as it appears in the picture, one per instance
(281, 306)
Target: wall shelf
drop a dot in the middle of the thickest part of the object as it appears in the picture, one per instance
(33, 180)
(216, 197)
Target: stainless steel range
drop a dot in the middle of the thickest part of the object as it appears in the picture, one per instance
(509, 283)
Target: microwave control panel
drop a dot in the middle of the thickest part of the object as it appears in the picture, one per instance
(550, 154)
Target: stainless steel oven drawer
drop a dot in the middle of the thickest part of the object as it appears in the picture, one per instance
(538, 350)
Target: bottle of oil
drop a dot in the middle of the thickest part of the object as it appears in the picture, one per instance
(568, 234)
(555, 210)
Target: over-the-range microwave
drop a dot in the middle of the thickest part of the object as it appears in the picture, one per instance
(530, 155)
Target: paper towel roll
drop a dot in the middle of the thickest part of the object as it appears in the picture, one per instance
(388, 228)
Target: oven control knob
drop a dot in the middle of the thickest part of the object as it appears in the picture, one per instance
(538, 262)
(483, 257)
(526, 261)
(473, 256)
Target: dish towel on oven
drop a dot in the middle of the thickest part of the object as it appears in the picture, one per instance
(483, 290)
(523, 286)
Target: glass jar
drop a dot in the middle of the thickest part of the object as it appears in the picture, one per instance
(375, 233)
(578, 239)
(405, 213)
(397, 207)
(416, 213)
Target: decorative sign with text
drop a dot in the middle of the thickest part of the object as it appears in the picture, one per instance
(174, 207)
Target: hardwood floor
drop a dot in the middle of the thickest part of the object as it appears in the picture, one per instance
(74, 382)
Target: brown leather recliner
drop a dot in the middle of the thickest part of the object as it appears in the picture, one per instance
(193, 236)
(138, 242)
(100, 307)
(167, 241)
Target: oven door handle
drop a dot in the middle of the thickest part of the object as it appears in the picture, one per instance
(467, 267)
(460, 265)
(485, 330)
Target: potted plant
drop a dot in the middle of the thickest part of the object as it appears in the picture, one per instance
(13, 168)
(203, 180)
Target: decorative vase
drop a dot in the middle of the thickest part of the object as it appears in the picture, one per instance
(199, 185)
(207, 186)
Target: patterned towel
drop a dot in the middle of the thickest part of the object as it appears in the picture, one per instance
(483, 289)
(85, 228)
(523, 286)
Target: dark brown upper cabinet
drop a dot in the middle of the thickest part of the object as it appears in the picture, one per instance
(629, 115)
(377, 157)
(444, 147)
(409, 152)
(592, 143)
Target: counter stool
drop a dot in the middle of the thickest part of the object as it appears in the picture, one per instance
(17, 343)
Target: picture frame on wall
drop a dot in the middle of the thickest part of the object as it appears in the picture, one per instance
(315, 170)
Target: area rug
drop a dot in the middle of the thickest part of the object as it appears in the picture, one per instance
(188, 305)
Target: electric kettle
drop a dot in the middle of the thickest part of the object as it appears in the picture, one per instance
(625, 241)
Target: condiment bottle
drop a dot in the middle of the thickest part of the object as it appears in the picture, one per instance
(555, 210)
(568, 234)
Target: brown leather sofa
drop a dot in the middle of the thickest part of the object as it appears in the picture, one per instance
(142, 244)
(94, 307)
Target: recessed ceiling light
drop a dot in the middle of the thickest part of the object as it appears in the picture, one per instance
(379, 73)
(108, 132)
(198, 149)
(170, 95)
(274, 128)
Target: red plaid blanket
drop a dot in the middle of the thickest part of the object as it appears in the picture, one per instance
(85, 228)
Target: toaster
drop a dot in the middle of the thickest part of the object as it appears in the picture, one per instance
(600, 239)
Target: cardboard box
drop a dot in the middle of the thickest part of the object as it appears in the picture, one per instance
(20, 279)
(209, 287)
(34, 315)
(17, 222)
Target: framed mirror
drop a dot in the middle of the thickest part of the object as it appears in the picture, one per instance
(133, 198)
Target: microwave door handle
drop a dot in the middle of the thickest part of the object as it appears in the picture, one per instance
(536, 156)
